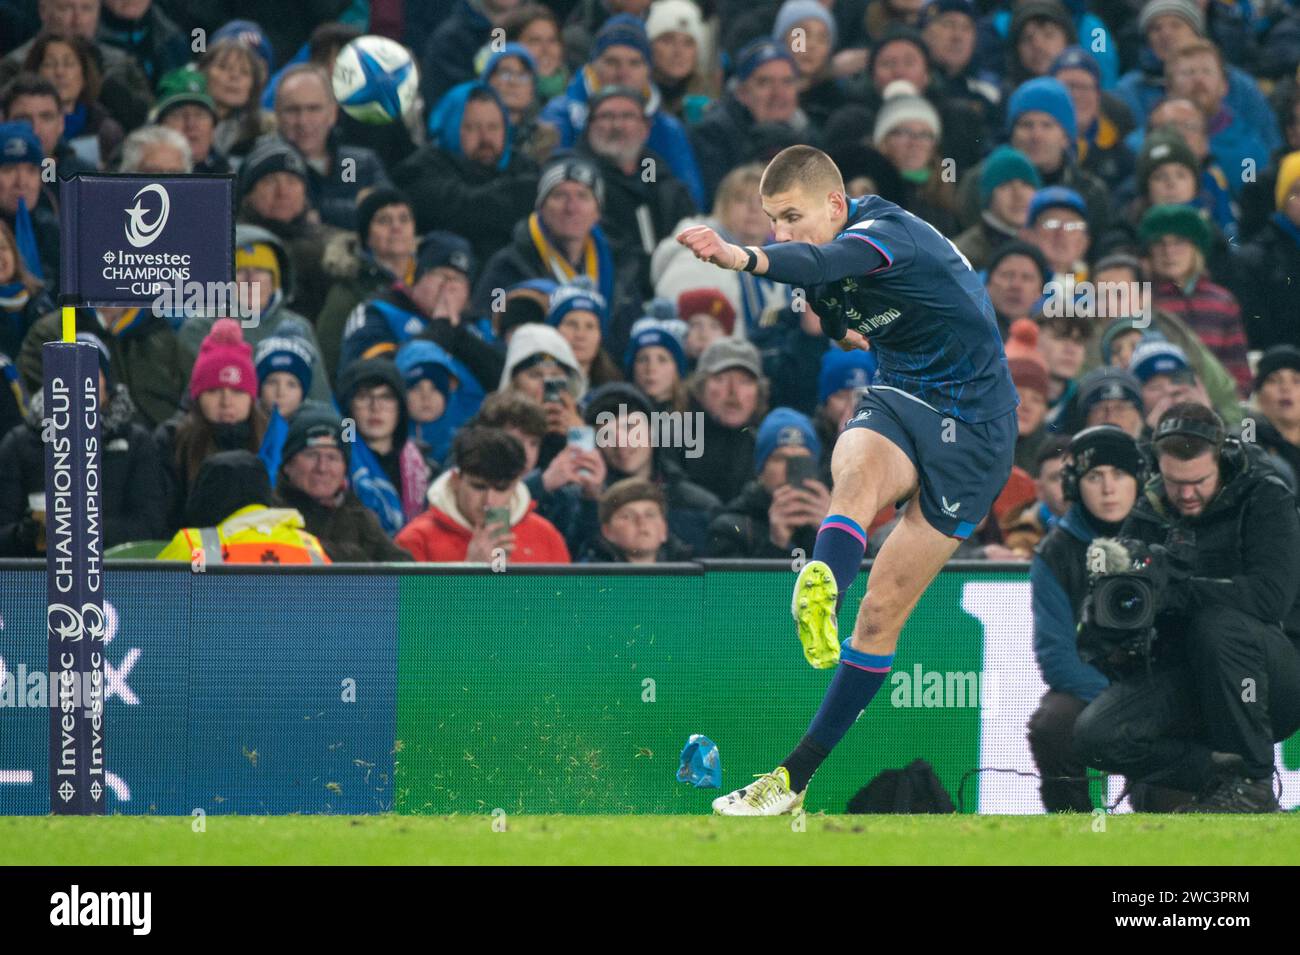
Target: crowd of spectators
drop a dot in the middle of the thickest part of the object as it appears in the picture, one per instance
(454, 305)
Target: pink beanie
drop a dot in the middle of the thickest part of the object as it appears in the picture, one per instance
(225, 361)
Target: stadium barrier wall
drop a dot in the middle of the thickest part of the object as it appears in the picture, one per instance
(438, 689)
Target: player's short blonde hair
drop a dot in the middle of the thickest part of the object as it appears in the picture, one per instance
(802, 166)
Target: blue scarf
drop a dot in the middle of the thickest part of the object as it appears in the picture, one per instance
(14, 297)
(272, 449)
(25, 234)
(9, 375)
(374, 489)
(74, 122)
(1287, 226)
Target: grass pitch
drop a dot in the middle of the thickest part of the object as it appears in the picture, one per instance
(653, 840)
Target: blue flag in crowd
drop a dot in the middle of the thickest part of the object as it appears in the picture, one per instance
(375, 490)
(273, 444)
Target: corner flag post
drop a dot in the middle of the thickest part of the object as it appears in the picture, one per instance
(116, 251)
(73, 561)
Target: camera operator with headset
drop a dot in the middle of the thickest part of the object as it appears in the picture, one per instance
(1103, 473)
(1193, 614)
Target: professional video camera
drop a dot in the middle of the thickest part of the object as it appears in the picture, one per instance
(1130, 587)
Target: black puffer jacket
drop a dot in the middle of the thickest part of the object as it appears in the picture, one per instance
(727, 463)
(520, 261)
(743, 530)
(727, 136)
(509, 265)
(480, 203)
(1247, 542)
(1266, 281)
(175, 477)
(132, 502)
(601, 551)
(335, 193)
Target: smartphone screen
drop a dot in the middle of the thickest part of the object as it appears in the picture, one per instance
(582, 437)
(551, 389)
(799, 470)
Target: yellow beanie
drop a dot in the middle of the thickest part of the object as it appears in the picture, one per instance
(258, 255)
(1287, 173)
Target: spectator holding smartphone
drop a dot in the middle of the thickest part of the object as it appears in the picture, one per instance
(480, 511)
(565, 492)
(783, 507)
(541, 365)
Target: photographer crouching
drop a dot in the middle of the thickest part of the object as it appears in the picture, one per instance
(1193, 615)
(1103, 473)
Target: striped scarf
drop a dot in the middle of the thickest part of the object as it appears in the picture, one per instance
(14, 296)
(9, 376)
(597, 262)
(125, 324)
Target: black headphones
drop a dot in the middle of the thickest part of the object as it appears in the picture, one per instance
(1071, 474)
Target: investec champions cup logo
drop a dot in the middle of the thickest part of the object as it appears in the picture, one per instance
(71, 625)
(139, 232)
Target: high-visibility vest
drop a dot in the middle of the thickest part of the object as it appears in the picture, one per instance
(252, 535)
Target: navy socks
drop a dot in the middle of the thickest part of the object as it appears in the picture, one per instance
(856, 681)
(841, 542)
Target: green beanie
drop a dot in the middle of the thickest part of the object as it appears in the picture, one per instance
(1175, 219)
(1004, 165)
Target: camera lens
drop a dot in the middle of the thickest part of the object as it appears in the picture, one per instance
(1127, 602)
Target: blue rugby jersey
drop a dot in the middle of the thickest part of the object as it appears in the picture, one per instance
(894, 278)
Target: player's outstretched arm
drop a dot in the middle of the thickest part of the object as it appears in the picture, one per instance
(708, 246)
(792, 263)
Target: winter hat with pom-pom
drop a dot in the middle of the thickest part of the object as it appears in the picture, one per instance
(1024, 361)
(903, 103)
(1022, 340)
(225, 361)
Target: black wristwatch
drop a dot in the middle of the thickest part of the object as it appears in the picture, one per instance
(752, 263)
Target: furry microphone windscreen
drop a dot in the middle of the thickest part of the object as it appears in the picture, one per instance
(1108, 556)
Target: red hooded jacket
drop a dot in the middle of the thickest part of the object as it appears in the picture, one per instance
(441, 534)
